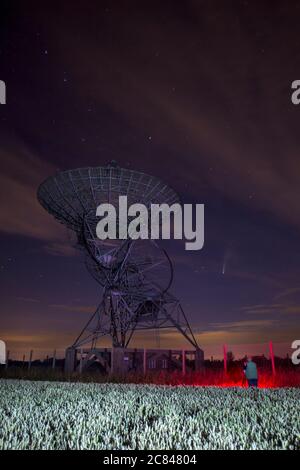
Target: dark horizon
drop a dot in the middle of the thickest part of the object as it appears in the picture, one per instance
(197, 94)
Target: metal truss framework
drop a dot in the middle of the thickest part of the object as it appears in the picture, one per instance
(134, 275)
(168, 313)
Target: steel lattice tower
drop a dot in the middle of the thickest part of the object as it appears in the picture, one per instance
(134, 275)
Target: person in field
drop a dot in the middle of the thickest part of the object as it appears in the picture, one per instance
(251, 374)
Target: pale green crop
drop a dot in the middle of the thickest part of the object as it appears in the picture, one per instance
(52, 415)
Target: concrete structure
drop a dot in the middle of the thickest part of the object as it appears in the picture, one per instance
(119, 361)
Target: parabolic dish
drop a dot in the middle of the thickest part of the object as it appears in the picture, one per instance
(70, 195)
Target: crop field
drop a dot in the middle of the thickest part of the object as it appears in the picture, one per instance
(54, 415)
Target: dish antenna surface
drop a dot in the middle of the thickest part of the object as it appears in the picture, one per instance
(135, 275)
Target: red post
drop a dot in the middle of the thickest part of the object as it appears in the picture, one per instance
(225, 358)
(272, 358)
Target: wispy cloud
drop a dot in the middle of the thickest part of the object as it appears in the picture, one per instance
(192, 122)
(74, 308)
(61, 249)
(20, 212)
(28, 299)
(287, 293)
(243, 325)
(269, 309)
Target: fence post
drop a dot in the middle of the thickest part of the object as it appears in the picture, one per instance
(225, 358)
(80, 362)
(54, 359)
(272, 358)
(7, 359)
(145, 361)
(183, 362)
(30, 359)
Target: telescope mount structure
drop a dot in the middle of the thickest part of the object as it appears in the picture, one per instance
(134, 275)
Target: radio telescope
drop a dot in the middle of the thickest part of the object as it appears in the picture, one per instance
(134, 275)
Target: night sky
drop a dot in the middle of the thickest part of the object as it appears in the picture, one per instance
(197, 93)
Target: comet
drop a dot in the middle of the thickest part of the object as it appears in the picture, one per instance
(224, 267)
(227, 255)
